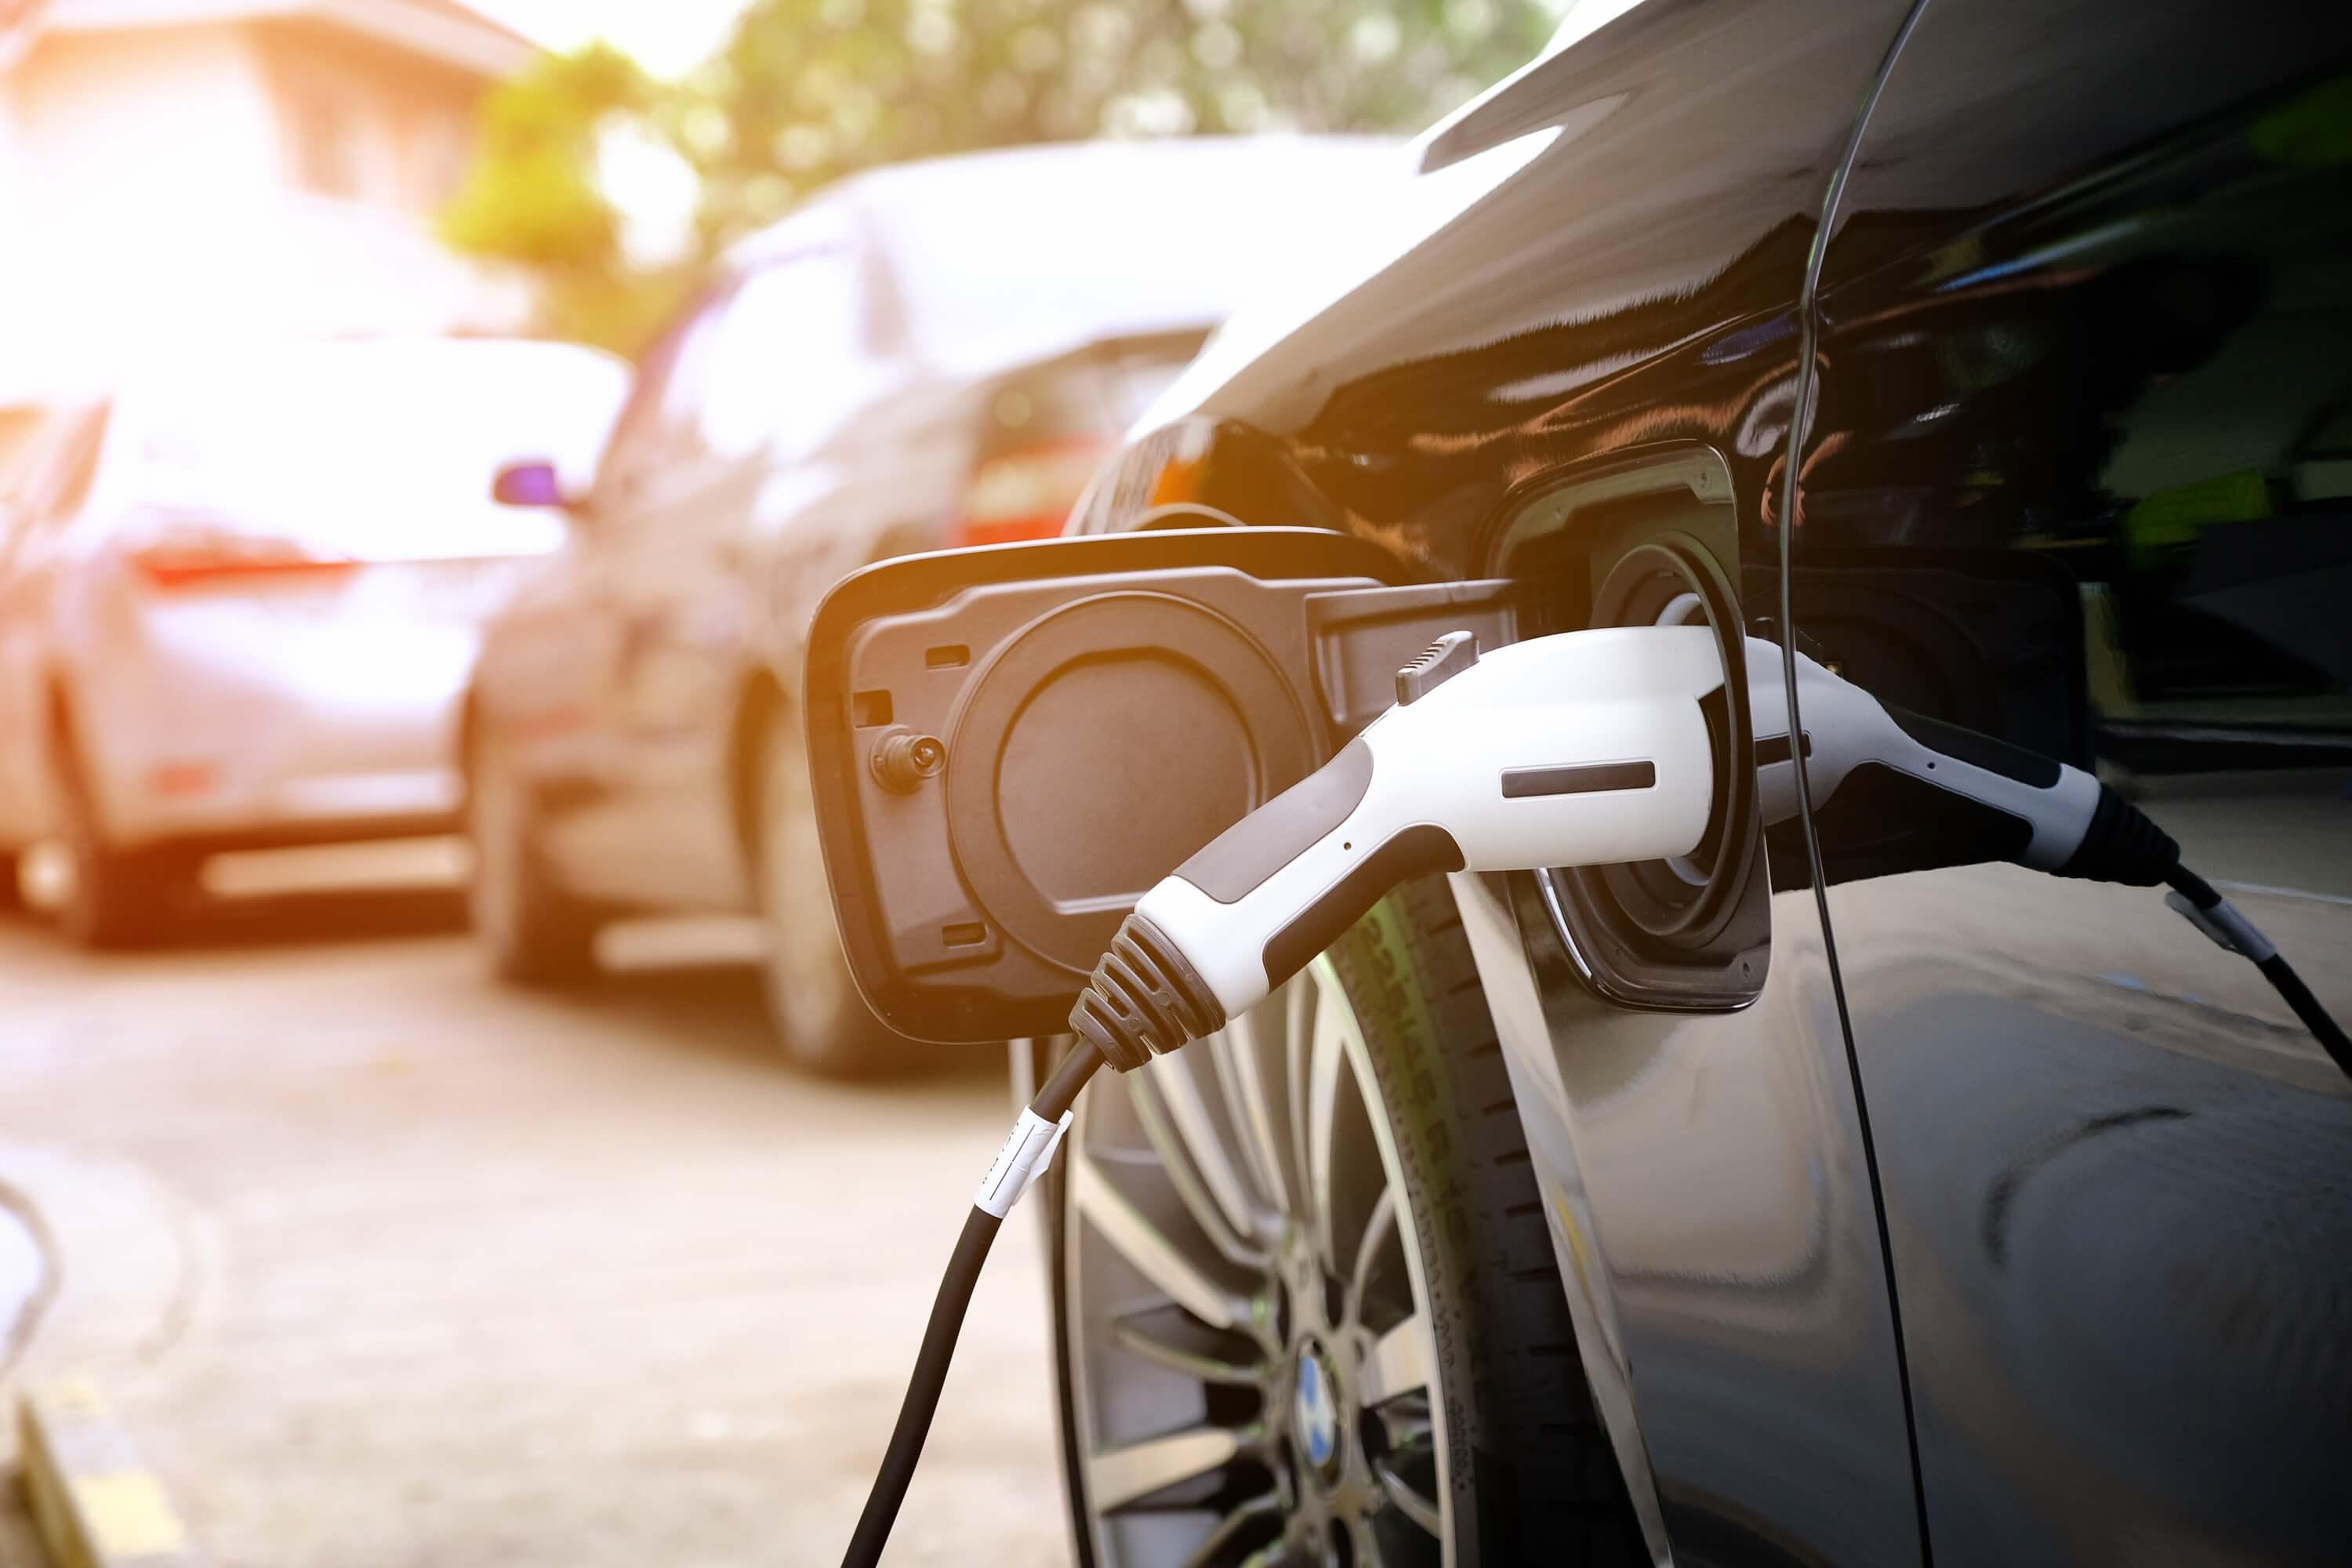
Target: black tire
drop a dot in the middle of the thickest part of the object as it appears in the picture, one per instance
(529, 930)
(1544, 1485)
(116, 897)
(1531, 1475)
(822, 1025)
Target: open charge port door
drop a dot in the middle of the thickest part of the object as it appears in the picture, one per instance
(1010, 745)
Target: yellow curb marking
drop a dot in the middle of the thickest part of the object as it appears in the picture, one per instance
(127, 1514)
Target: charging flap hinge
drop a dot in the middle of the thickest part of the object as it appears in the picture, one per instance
(1363, 636)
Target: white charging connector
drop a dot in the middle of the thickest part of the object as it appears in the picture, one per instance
(1587, 748)
(2047, 806)
(1581, 748)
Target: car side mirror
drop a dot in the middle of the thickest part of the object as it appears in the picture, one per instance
(533, 482)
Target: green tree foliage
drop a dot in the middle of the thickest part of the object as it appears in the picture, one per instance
(530, 195)
(529, 198)
(808, 90)
(812, 89)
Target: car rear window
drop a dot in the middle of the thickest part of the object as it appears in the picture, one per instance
(1097, 393)
(387, 421)
(380, 449)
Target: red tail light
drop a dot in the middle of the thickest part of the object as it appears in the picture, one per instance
(1027, 492)
(184, 560)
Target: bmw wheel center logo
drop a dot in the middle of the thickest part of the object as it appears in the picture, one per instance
(1315, 1411)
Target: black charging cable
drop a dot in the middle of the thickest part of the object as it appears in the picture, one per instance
(1022, 1160)
(1145, 999)
(2219, 919)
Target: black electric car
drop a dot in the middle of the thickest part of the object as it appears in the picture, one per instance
(1843, 1192)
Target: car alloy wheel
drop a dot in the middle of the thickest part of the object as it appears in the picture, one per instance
(494, 885)
(1250, 1363)
(113, 897)
(531, 930)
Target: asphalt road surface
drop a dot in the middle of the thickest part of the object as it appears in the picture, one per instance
(381, 1263)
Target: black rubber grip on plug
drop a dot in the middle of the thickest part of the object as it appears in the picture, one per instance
(2122, 845)
(1245, 855)
(1414, 852)
(1144, 1000)
(1977, 749)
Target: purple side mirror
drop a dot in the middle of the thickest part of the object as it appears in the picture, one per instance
(531, 483)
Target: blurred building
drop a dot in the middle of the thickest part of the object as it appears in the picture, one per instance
(193, 173)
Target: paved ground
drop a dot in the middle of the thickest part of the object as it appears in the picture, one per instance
(382, 1263)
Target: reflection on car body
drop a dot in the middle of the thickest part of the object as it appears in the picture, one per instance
(2079, 319)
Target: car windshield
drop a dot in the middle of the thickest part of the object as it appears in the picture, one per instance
(1027, 256)
(372, 429)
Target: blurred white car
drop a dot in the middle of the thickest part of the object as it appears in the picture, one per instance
(926, 354)
(239, 600)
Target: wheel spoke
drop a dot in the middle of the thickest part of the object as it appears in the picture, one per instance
(1327, 1059)
(1191, 1364)
(1241, 1068)
(1274, 1158)
(1117, 1477)
(1178, 1157)
(1232, 1524)
(1424, 1511)
(1398, 1362)
(1298, 1009)
(1153, 1256)
(1378, 1228)
(1180, 1092)
(1408, 1423)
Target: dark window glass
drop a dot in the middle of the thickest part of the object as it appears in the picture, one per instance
(2154, 396)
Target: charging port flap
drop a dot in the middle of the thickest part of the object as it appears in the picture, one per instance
(1009, 745)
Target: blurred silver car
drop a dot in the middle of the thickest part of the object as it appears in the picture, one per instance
(927, 355)
(238, 601)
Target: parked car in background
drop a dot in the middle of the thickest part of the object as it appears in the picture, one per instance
(240, 599)
(929, 354)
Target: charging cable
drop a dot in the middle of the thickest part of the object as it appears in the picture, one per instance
(2219, 919)
(2026, 807)
(1026, 1152)
(1579, 749)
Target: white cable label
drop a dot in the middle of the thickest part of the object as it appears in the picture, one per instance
(1028, 1150)
(2226, 927)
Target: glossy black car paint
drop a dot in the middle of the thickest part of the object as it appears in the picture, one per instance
(2091, 292)
(2117, 1180)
